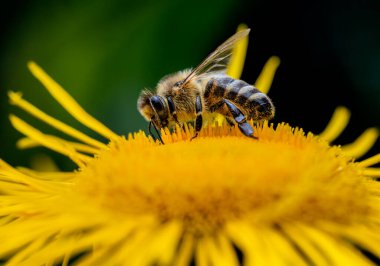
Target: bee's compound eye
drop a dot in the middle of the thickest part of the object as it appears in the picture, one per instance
(157, 103)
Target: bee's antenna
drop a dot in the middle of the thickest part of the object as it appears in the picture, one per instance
(150, 132)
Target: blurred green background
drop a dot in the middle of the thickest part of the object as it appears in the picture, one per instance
(104, 52)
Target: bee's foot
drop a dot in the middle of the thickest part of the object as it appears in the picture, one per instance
(193, 137)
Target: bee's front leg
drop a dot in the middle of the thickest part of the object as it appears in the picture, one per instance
(173, 112)
(157, 132)
(198, 119)
(172, 109)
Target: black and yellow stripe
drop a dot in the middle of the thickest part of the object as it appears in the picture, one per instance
(256, 104)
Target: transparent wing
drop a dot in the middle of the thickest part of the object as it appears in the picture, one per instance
(217, 61)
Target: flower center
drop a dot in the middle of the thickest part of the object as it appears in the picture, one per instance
(219, 177)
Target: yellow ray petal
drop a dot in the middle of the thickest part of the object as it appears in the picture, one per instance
(306, 246)
(265, 79)
(161, 246)
(68, 102)
(27, 143)
(51, 176)
(220, 251)
(362, 144)
(17, 100)
(50, 143)
(370, 161)
(373, 172)
(236, 64)
(43, 162)
(63, 244)
(185, 252)
(250, 242)
(21, 178)
(284, 248)
(201, 253)
(366, 237)
(339, 251)
(337, 124)
(23, 254)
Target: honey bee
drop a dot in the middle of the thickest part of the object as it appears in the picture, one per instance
(196, 95)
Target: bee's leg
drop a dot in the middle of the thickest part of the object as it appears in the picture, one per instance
(173, 113)
(230, 122)
(218, 106)
(198, 119)
(240, 119)
(150, 131)
(158, 133)
(172, 109)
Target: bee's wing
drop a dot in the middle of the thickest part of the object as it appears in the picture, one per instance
(218, 60)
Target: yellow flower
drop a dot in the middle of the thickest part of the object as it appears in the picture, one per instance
(288, 198)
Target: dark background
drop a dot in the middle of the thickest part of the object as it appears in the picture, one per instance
(104, 52)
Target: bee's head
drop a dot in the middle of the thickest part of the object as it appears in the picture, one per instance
(153, 108)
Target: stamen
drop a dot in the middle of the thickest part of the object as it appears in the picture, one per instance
(68, 102)
(236, 64)
(337, 124)
(362, 144)
(265, 79)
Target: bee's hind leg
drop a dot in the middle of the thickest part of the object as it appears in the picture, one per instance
(240, 119)
(198, 119)
(230, 121)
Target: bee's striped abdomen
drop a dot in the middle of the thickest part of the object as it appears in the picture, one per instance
(216, 88)
(254, 103)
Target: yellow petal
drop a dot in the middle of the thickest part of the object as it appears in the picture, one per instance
(17, 100)
(337, 124)
(68, 102)
(370, 161)
(27, 143)
(220, 251)
(201, 257)
(185, 252)
(339, 251)
(236, 64)
(53, 144)
(373, 172)
(265, 79)
(43, 162)
(362, 144)
(306, 245)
